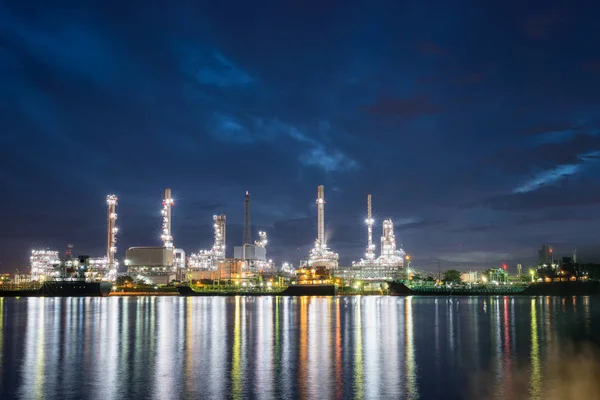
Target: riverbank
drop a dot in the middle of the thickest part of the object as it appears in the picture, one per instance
(155, 293)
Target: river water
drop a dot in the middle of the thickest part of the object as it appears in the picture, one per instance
(306, 348)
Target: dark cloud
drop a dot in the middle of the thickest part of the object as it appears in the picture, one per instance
(399, 107)
(475, 229)
(423, 224)
(469, 79)
(542, 26)
(200, 205)
(591, 66)
(549, 127)
(566, 193)
(431, 49)
(213, 99)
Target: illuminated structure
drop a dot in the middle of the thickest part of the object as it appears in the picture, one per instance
(260, 262)
(391, 261)
(287, 269)
(320, 255)
(207, 260)
(220, 236)
(262, 240)
(254, 255)
(370, 254)
(389, 255)
(179, 263)
(153, 265)
(166, 218)
(247, 219)
(44, 264)
(111, 246)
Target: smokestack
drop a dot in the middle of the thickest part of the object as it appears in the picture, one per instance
(370, 248)
(321, 214)
(247, 219)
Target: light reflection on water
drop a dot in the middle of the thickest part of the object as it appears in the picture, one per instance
(281, 347)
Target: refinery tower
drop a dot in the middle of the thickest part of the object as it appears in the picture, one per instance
(391, 260)
(321, 255)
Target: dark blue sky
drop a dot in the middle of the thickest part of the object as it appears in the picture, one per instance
(475, 125)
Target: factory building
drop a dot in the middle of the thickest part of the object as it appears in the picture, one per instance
(153, 265)
(250, 252)
(44, 264)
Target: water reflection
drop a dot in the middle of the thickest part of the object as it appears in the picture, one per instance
(535, 379)
(280, 347)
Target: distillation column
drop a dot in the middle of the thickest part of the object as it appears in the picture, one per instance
(321, 215)
(111, 246)
(166, 216)
(220, 236)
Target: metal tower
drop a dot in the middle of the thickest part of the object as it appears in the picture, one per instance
(320, 255)
(321, 216)
(166, 218)
(247, 219)
(111, 246)
(370, 255)
(218, 249)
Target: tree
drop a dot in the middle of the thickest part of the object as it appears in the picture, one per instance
(451, 276)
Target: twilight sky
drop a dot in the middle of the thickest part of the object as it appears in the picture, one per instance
(474, 124)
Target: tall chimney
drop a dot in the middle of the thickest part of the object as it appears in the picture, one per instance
(321, 215)
(370, 247)
(247, 219)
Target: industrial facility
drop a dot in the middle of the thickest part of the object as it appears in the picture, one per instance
(164, 264)
(389, 264)
(254, 255)
(208, 260)
(321, 255)
(158, 264)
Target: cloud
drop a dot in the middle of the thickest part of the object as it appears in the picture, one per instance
(542, 26)
(549, 127)
(222, 73)
(548, 177)
(431, 49)
(317, 154)
(418, 224)
(211, 68)
(475, 229)
(566, 193)
(227, 129)
(204, 206)
(410, 107)
(469, 79)
(329, 161)
(592, 66)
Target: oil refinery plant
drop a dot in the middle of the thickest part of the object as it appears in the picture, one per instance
(161, 265)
